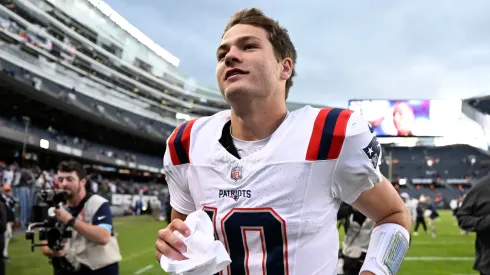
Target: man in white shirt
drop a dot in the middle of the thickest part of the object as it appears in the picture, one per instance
(272, 181)
(411, 205)
(8, 175)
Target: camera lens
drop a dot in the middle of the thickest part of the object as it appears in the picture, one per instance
(53, 234)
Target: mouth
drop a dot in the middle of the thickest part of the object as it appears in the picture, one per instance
(234, 72)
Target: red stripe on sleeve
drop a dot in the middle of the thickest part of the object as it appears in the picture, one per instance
(171, 147)
(316, 135)
(339, 134)
(186, 137)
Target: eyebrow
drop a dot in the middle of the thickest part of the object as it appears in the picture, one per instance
(241, 39)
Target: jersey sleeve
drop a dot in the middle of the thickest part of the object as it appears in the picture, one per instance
(103, 217)
(180, 196)
(357, 167)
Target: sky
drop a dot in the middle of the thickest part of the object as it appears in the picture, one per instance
(413, 49)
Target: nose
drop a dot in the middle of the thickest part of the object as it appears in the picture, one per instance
(233, 56)
(63, 183)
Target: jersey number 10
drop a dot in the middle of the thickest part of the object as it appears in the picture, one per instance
(273, 239)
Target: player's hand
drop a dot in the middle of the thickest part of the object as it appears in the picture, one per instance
(170, 245)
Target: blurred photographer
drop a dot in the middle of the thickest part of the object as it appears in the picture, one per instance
(356, 241)
(92, 248)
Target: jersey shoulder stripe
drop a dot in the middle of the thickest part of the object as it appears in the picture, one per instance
(179, 143)
(328, 134)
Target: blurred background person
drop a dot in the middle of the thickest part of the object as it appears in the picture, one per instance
(431, 212)
(8, 175)
(420, 218)
(22, 187)
(3, 229)
(10, 205)
(356, 241)
(411, 205)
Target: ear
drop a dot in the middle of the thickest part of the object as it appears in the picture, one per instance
(287, 68)
(83, 182)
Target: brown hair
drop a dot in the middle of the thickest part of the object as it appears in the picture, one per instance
(73, 166)
(278, 36)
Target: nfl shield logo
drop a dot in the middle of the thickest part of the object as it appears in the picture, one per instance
(236, 173)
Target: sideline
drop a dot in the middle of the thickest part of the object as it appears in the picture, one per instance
(144, 269)
(431, 259)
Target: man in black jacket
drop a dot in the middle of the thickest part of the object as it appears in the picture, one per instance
(474, 216)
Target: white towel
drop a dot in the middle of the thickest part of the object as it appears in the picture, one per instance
(205, 256)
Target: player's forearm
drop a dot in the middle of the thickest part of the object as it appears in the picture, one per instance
(177, 215)
(401, 217)
(93, 233)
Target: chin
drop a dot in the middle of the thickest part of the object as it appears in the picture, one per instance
(235, 91)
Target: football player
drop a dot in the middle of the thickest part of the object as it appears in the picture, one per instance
(272, 180)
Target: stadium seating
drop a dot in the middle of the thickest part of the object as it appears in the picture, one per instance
(481, 104)
(447, 162)
(89, 146)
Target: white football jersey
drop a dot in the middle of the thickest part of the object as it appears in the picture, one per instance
(275, 210)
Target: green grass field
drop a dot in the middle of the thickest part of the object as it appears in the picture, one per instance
(448, 253)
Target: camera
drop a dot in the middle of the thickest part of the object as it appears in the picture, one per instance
(50, 229)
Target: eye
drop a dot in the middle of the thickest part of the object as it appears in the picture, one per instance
(221, 56)
(250, 46)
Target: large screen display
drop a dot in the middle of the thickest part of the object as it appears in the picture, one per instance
(404, 118)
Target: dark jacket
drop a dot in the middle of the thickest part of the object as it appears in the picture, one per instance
(474, 216)
(3, 217)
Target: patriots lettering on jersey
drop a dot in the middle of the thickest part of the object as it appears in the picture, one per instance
(235, 194)
(373, 151)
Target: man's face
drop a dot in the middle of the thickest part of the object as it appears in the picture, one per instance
(403, 118)
(70, 183)
(246, 63)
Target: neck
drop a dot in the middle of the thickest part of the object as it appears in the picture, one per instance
(75, 201)
(257, 120)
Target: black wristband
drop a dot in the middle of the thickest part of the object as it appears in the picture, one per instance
(71, 222)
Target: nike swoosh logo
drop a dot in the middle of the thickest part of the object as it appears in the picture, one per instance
(100, 218)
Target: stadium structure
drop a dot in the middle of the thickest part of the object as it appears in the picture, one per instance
(78, 81)
(80, 68)
(84, 61)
